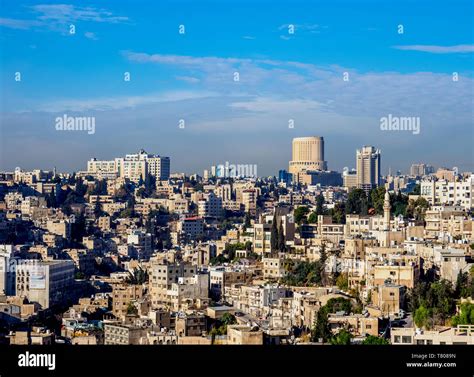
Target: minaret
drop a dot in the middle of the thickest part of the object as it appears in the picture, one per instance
(386, 211)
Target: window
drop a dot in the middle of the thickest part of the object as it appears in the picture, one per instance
(406, 339)
(396, 339)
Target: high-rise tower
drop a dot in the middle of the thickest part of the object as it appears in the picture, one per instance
(368, 168)
(307, 155)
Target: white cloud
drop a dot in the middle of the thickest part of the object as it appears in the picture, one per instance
(188, 79)
(90, 35)
(13, 23)
(434, 96)
(56, 16)
(301, 27)
(119, 102)
(277, 106)
(437, 49)
(67, 13)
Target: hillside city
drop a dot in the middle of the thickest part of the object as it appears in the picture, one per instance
(128, 251)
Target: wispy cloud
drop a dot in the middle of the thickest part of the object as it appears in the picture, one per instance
(67, 13)
(13, 23)
(437, 49)
(188, 79)
(249, 37)
(90, 35)
(301, 27)
(55, 16)
(119, 102)
(185, 60)
(291, 82)
(294, 29)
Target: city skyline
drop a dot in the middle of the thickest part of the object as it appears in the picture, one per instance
(242, 175)
(309, 67)
(248, 166)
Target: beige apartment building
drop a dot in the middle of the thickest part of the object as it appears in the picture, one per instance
(123, 334)
(460, 335)
(122, 296)
(389, 298)
(396, 274)
(59, 227)
(273, 268)
(262, 238)
(243, 334)
(358, 324)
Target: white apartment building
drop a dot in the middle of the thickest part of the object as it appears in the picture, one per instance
(191, 227)
(44, 282)
(133, 166)
(142, 243)
(444, 192)
(163, 276)
(210, 205)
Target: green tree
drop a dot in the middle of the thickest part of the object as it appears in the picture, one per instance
(228, 319)
(127, 212)
(416, 208)
(313, 218)
(375, 340)
(339, 304)
(338, 213)
(137, 277)
(465, 315)
(132, 309)
(281, 239)
(422, 316)
(220, 328)
(377, 197)
(321, 263)
(51, 201)
(343, 338)
(463, 285)
(357, 202)
(320, 205)
(342, 281)
(300, 214)
(321, 329)
(247, 223)
(274, 235)
(98, 210)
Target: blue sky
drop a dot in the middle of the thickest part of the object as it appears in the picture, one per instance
(190, 76)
